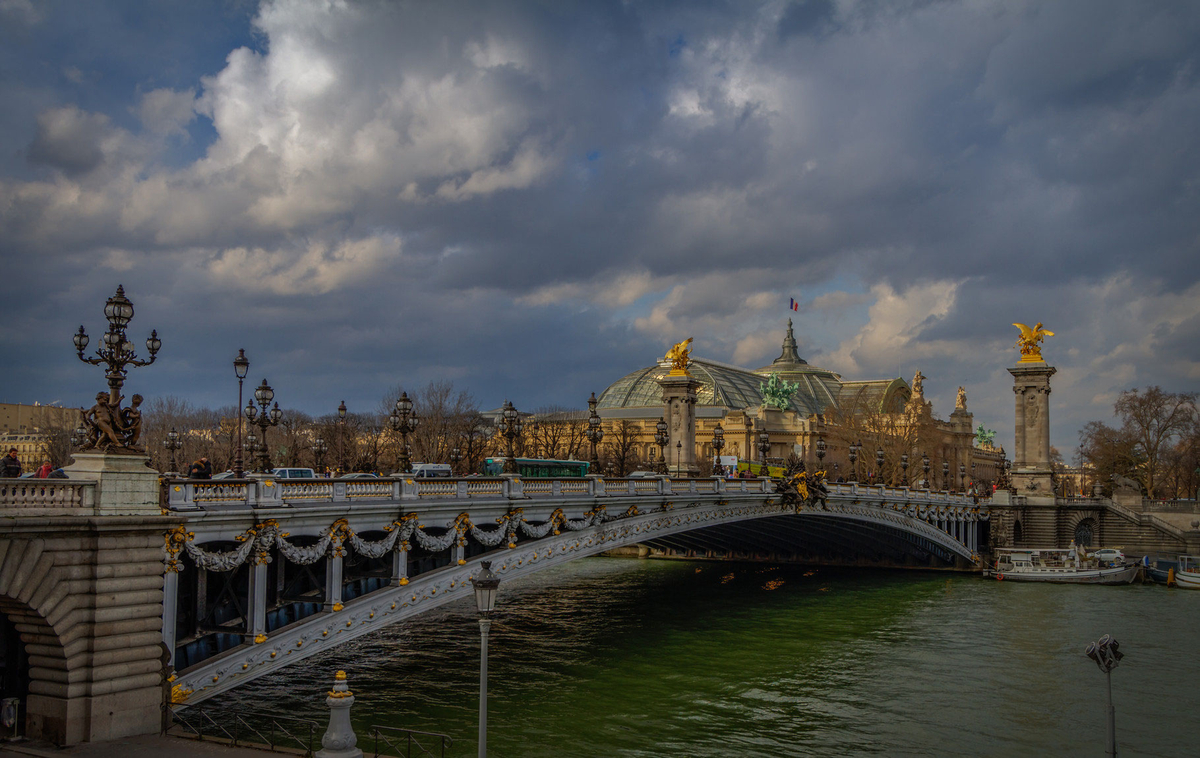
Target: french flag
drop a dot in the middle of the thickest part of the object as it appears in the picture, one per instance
(793, 304)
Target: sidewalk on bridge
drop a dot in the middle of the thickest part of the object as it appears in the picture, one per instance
(146, 746)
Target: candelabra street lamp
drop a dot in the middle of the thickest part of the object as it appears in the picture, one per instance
(718, 443)
(404, 420)
(820, 452)
(594, 433)
(241, 366)
(661, 439)
(510, 428)
(108, 428)
(263, 419)
(925, 468)
(946, 475)
(251, 444)
(172, 443)
(904, 469)
(854, 448)
(1105, 652)
(320, 447)
(486, 585)
(455, 456)
(962, 476)
(879, 466)
(679, 458)
(972, 474)
(764, 449)
(341, 412)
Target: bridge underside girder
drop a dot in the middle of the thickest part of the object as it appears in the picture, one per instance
(808, 538)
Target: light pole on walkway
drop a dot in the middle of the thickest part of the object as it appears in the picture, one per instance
(241, 365)
(486, 583)
(1106, 655)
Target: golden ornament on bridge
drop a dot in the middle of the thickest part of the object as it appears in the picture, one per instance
(1028, 342)
(679, 358)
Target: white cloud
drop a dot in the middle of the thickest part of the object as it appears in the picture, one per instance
(165, 111)
(316, 269)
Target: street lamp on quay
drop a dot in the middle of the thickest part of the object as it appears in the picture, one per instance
(925, 467)
(510, 427)
(341, 412)
(265, 418)
(404, 420)
(661, 439)
(595, 433)
(172, 443)
(320, 448)
(1105, 652)
(486, 585)
(718, 443)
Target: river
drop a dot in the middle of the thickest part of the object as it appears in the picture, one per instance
(621, 657)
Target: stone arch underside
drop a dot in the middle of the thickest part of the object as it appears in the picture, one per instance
(36, 597)
(882, 534)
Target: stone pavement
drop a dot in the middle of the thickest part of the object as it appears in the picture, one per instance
(146, 746)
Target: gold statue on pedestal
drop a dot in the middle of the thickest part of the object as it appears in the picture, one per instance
(679, 358)
(1028, 342)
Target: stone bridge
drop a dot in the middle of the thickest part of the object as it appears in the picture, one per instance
(264, 573)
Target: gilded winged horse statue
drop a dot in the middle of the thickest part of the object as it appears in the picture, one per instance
(679, 357)
(1028, 342)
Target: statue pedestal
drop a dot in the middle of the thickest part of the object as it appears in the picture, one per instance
(1031, 456)
(125, 483)
(679, 397)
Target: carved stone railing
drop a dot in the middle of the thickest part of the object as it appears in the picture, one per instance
(41, 494)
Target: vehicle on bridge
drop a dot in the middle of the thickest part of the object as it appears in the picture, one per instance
(537, 468)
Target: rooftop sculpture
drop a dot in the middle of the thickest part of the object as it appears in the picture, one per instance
(777, 393)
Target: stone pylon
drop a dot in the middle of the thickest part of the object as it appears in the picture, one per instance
(679, 399)
(1031, 472)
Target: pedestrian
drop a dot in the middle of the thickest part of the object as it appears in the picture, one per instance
(11, 467)
(201, 469)
(45, 470)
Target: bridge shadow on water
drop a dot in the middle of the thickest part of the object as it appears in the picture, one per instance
(604, 657)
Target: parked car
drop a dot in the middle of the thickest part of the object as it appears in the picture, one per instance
(224, 475)
(359, 475)
(1109, 555)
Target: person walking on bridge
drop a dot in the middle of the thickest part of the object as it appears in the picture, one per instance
(201, 469)
(11, 467)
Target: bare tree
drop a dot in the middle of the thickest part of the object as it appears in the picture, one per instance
(621, 446)
(1154, 419)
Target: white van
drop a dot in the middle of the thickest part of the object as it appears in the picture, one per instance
(431, 470)
(294, 473)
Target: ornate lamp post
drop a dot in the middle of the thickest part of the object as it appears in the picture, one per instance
(764, 447)
(341, 421)
(925, 467)
(611, 469)
(404, 420)
(904, 469)
(962, 476)
(172, 443)
(78, 436)
(263, 419)
(879, 466)
(854, 448)
(486, 585)
(1105, 652)
(946, 475)
(972, 474)
(241, 365)
(661, 439)
(320, 447)
(594, 433)
(820, 452)
(251, 444)
(116, 353)
(455, 456)
(718, 443)
(510, 427)
(678, 458)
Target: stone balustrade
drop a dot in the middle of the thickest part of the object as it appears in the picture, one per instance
(43, 494)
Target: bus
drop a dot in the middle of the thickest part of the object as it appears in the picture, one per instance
(537, 468)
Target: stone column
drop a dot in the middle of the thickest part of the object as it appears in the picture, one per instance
(1031, 463)
(400, 564)
(256, 626)
(333, 582)
(679, 399)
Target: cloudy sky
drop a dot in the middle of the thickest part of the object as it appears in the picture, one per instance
(533, 199)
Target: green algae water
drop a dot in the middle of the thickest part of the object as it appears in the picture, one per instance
(614, 657)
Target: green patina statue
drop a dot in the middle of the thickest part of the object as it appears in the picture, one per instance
(777, 393)
(985, 436)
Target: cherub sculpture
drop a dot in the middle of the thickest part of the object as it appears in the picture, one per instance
(679, 357)
(1028, 342)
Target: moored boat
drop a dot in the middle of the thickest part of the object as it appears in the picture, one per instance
(1160, 570)
(1187, 576)
(1058, 567)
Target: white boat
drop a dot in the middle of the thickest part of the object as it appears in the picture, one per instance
(1059, 567)
(1187, 575)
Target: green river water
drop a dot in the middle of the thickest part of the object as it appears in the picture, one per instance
(621, 657)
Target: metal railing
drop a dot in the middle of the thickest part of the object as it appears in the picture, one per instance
(410, 739)
(250, 728)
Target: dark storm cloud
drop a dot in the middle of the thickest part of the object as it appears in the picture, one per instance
(366, 194)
